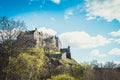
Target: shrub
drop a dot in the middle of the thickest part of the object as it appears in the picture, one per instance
(62, 77)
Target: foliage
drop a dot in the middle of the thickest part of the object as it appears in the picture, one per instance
(69, 61)
(78, 71)
(26, 65)
(57, 53)
(62, 77)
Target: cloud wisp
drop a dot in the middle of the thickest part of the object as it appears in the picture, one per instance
(106, 9)
(56, 1)
(115, 33)
(114, 51)
(96, 53)
(68, 14)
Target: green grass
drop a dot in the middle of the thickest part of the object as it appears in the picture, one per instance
(57, 53)
(69, 61)
(54, 52)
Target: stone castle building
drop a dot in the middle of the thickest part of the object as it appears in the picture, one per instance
(38, 39)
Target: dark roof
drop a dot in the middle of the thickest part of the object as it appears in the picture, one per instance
(31, 32)
(64, 50)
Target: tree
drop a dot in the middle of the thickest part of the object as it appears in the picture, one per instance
(109, 64)
(9, 30)
(27, 66)
(88, 71)
(78, 71)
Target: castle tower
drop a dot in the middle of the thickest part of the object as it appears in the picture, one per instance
(38, 38)
(53, 41)
(58, 43)
(68, 53)
(56, 38)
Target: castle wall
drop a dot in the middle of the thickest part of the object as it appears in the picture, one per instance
(67, 51)
(64, 55)
(38, 38)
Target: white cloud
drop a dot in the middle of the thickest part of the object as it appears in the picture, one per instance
(107, 9)
(82, 40)
(97, 53)
(115, 34)
(68, 13)
(56, 1)
(47, 30)
(114, 51)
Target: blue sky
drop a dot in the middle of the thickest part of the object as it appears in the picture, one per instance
(90, 27)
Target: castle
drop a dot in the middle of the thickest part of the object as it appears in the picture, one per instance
(38, 39)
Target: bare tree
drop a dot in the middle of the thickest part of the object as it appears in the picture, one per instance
(9, 30)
